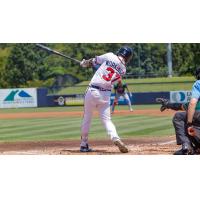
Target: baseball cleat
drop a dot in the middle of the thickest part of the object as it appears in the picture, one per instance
(122, 147)
(184, 152)
(85, 149)
(186, 149)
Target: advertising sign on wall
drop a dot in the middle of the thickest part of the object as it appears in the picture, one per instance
(68, 100)
(18, 98)
(180, 96)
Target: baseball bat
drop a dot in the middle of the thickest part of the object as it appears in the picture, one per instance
(57, 53)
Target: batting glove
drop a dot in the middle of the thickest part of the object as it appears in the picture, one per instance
(84, 63)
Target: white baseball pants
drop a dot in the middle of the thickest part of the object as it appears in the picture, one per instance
(97, 100)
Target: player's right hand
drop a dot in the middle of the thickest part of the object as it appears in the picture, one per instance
(84, 63)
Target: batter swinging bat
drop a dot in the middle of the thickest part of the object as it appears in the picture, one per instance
(56, 52)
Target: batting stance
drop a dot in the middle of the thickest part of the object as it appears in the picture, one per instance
(120, 90)
(97, 96)
(186, 123)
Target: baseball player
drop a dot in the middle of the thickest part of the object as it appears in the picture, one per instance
(186, 123)
(112, 68)
(120, 90)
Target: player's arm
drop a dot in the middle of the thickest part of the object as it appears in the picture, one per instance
(128, 91)
(92, 62)
(193, 101)
(97, 61)
(192, 106)
(191, 109)
(87, 63)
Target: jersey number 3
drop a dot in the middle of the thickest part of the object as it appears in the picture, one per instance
(109, 76)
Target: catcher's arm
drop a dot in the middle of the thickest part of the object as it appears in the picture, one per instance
(166, 104)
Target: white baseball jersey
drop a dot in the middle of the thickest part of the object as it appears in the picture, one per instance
(111, 69)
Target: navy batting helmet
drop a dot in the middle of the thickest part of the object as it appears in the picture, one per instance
(126, 53)
(197, 73)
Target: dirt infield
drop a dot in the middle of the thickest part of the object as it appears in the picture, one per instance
(137, 145)
(151, 112)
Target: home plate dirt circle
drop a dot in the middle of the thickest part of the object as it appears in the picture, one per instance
(137, 146)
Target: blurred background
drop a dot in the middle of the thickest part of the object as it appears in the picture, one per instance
(154, 67)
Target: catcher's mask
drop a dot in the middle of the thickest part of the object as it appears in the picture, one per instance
(126, 53)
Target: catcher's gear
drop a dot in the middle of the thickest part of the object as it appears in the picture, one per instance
(186, 149)
(166, 104)
(126, 53)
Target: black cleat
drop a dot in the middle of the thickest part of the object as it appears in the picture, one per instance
(186, 150)
(85, 149)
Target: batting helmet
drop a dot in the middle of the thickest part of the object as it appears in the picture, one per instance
(126, 53)
(197, 73)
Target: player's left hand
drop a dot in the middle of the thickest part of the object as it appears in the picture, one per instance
(130, 94)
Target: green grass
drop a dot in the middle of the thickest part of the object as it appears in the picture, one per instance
(142, 85)
(69, 108)
(42, 109)
(65, 128)
(154, 80)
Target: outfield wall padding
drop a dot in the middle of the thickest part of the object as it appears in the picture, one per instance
(42, 97)
(148, 97)
(137, 98)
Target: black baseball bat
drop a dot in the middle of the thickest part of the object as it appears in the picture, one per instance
(57, 53)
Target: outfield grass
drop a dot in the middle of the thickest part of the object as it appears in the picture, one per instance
(70, 108)
(142, 85)
(154, 80)
(63, 128)
(69, 128)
